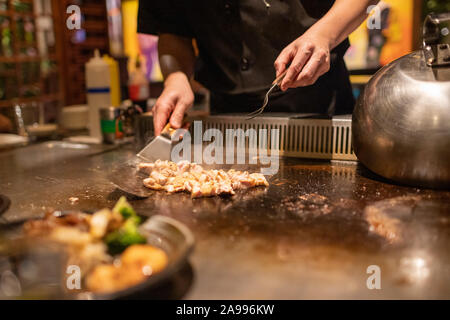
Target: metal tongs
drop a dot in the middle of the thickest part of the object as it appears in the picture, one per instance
(275, 85)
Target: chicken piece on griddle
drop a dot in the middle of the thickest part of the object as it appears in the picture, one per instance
(159, 177)
(152, 184)
(244, 180)
(192, 178)
(146, 167)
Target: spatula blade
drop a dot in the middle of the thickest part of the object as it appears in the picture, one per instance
(129, 179)
(159, 149)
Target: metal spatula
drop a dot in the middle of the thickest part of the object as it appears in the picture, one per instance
(127, 178)
(160, 148)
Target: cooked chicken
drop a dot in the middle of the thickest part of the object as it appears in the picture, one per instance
(192, 178)
(43, 227)
(103, 221)
(137, 263)
(146, 259)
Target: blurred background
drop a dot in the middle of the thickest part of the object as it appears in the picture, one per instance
(43, 62)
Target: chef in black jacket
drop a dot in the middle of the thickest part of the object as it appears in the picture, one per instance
(240, 41)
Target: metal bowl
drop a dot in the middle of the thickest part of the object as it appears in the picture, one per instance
(401, 124)
(177, 242)
(165, 233)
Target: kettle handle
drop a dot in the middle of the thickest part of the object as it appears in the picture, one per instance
(433, 35)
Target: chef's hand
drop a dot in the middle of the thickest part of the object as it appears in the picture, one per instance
(173, 103)
(307, 58)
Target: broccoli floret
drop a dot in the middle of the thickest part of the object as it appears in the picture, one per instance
(124, 208)
(128, 234)
(124, 237)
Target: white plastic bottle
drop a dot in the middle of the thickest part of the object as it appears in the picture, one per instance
(98, 87)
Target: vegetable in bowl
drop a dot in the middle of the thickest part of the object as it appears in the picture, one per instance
(108, 246)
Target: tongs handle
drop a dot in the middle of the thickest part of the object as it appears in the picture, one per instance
(280, 78)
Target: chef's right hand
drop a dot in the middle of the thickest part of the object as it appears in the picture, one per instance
(173, 103)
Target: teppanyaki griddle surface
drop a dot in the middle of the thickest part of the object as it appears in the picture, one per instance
(312, 234)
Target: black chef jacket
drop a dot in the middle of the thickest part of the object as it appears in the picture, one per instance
(239, 41)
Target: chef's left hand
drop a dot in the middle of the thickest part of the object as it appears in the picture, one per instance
(308, 58)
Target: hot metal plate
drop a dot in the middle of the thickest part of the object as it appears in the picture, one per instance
(127, 178)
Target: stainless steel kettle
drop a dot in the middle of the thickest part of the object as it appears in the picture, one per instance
(401, 124)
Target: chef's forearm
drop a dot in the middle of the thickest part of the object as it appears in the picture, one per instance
(342, 19)
(176, 55)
